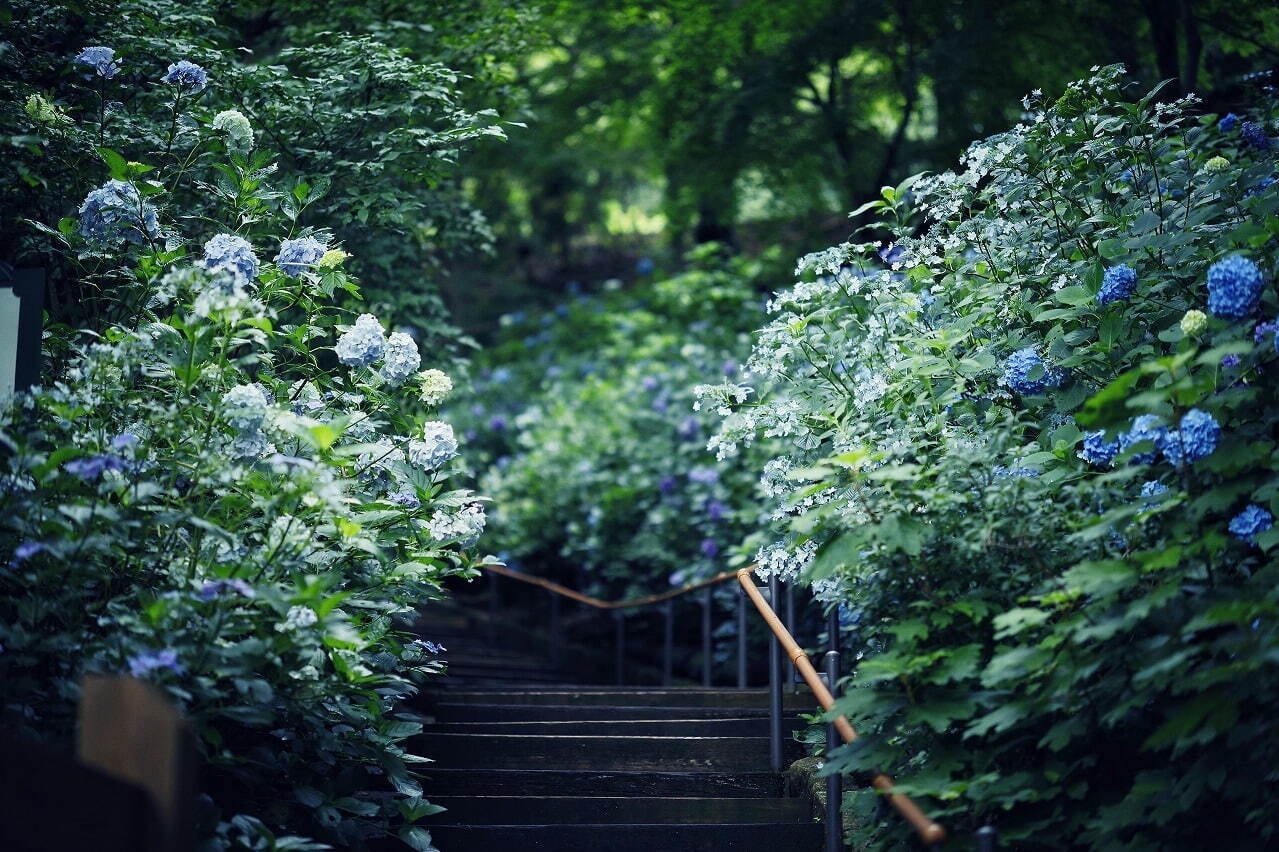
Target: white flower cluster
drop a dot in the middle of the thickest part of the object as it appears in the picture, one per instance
(463, 526)
(779, 560)
(437, 445)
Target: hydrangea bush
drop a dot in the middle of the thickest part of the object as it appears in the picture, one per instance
(1032, 453)
(582, 422)
(236, 493)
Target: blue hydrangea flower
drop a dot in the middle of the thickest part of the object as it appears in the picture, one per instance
(436, 447)
(1227, 122)
(709, 548)
(1000, 471)
(1253, 520)
(667, 484)
(716, 510)
(407, 499)
(100, 59)
(232, 256)
(1234, 287)
(1153, 490)
(1146, 427)
(1261, 329)
(1254, 134)
(114, 212)
(363, 343)
(703, 475)
(1026, 373)
(25, 551)
(300, 255)
(1118, 283)
(215, 588)
(1125, 176)
(498, 423)
(689, 428)
(400, 359)
(91, 468)
(245, 407)
(1262, 185)
(1097, 450)
(187, 76)
(1230, 360)
(149, 661)
(1196, 438)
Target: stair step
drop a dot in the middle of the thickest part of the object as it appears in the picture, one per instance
(563, 810)
(670, 697)
(516, 751)
(757, 837)
(563, 782)
(737, 727)
(448, 711)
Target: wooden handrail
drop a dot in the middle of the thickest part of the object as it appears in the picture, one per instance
(566, 592)
(930, 832)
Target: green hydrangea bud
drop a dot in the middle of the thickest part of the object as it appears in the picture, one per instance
(1216, 165)
(41, 111)
(1194, 322)
(239, 133)
(332, 259)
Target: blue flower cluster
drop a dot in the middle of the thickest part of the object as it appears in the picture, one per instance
(1234, 287)
(298, 256)
(1118, 283)
(216, 588)
(101, 60)
(1254, 134)
(363, 343)
(1146, 427)
(1026, 373)
(1227, 122)
(1196, 438)
(1153, 489)
(187, 76)
(1097, 450)
(149, 661)
(114, 212)
(231, 255)
(1253, 520)
(91, 468)
(401, 358)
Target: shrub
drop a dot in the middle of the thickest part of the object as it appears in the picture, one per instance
(234, 491)
(1034, 449)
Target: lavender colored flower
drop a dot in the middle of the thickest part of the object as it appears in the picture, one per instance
(1027, 374)
(1234, 287)
(149, 661)
(709, 548)
(400, 359)
(703, 475)
(363, 343)
(216, 588)
(123, 441)
(1252, 521)
(1118, 283)
(25, 551)
(300, 255)
(1146, 427)
(666, 484)
(1196, 438)
(716, 510)
(232, 256)
(1263, 328)
(100, 59)
(91, 468)
(689, 428)
(1254, 134)
(650, 383)
(187, 76)
(497, 424)
(1097, 450)
(114, 212)
(1230, 360)
(1227, 122)
(407, 499)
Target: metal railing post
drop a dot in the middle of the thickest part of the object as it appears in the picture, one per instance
(774, 686)
(668, 644)
(791, 675)
(619, 618)
(708, 601)
(741, 640)
(987, 838)
(834, 783)
(557, 637)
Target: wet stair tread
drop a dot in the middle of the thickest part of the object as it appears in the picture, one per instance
(602, 783)
(572, 810)
(732, 837)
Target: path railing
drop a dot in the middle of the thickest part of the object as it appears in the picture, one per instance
(780, 641)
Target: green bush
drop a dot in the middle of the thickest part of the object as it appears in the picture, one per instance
(233, 491)
(1035, 453)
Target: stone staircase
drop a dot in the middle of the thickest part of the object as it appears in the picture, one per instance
(526, 757)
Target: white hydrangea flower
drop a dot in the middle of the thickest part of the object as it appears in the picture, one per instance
(777, 559)
(437, 446)
(464, 525)
(239, 133)
(436, 386)
(245, 407)
(401, 358)
(297, 618)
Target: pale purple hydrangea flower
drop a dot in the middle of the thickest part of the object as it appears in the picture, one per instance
(187, 76)
(231, 255)
(362, 344)
(114, 212)
(149, 661)
(400, 359)
(101, 60)
(300, 255)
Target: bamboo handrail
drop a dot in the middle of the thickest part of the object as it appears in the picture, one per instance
(930, 832)
(564, 591)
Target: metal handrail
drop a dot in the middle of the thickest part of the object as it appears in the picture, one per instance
(929, 832)
(565, 591)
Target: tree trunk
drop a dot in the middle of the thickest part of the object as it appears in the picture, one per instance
(1194, 46)
(1164, 16)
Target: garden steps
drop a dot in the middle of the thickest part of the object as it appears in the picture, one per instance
(526, 756)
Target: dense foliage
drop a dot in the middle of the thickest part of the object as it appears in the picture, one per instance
(234, 489)
(1035, 455)
(596, 461)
